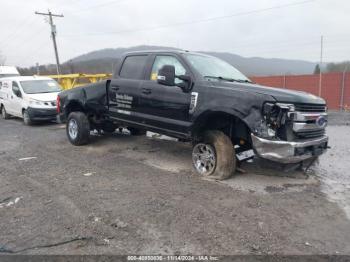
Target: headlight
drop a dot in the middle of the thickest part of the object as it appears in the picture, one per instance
(275, 116)
(289, 107)
(270, 107)
(35, 102)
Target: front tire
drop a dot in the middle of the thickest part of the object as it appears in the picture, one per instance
(4, 114)
(214, 156)
(78, 128)
(26, 118)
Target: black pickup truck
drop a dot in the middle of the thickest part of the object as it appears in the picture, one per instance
(199, 98)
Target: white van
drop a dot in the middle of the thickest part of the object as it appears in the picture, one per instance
(7, 71)
(32, 98)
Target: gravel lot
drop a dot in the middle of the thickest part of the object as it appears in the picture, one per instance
(138, 195)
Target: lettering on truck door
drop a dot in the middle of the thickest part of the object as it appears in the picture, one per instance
(123, 91)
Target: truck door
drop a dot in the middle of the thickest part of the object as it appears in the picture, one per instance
(15, 101)
(166, 107)
(123, 91)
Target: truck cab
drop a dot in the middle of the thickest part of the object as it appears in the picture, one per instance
(203, 99)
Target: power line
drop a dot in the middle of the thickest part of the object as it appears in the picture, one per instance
(98, 6)
(25, 24)
(53, 35)
(196, 21)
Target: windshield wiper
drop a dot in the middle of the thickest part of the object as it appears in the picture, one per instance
(221, 78)
(243, 81)
(229, 79)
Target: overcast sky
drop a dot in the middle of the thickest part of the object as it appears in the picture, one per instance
(264, 28)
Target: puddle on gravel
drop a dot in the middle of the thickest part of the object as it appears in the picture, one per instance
(256, 179)
(333, 168)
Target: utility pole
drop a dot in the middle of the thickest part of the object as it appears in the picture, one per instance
(53, 35)
(37, 69)
(343, 88)
(320, 80)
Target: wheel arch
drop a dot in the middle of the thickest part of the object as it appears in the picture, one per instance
(74, 106)
(230, 123)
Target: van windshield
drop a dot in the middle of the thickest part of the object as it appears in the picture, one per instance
(40, 86)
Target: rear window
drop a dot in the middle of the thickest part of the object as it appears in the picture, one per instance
(133, 67)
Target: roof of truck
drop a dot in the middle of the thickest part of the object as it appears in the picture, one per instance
(158, 51)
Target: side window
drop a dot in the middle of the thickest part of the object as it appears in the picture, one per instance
(15, 89)
(162, 60)
(133, 67)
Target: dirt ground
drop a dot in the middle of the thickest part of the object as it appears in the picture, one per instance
(138, 195)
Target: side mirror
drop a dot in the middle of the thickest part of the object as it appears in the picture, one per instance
(166, 75)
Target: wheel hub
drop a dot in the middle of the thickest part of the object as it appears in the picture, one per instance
(73, 128)
(204, 159)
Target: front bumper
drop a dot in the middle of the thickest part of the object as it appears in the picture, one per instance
(289, 152)
(43, 114)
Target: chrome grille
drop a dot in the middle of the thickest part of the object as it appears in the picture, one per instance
(310, 133)
(310, 108)
(306, 121)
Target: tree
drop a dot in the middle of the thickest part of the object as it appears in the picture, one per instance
(338, 67)
(317, 70)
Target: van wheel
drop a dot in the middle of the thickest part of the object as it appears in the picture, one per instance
(214, 156)
(136, 132)
(4, 114)
(26, 118)
(78, 128)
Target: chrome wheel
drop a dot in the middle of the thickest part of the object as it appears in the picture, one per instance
(73, 129)
(3, 112)
(204, 159)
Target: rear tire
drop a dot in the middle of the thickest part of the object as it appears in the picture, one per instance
(78, 128)
(26, 118)
(214, 156)
(136, 132)
(4, 114)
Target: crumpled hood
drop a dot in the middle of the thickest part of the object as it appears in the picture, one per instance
(45, 97)
(281, 95)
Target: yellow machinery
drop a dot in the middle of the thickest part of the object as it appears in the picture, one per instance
(73, 80)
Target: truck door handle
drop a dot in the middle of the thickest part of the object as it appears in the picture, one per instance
(115, 87)
(146, 91)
